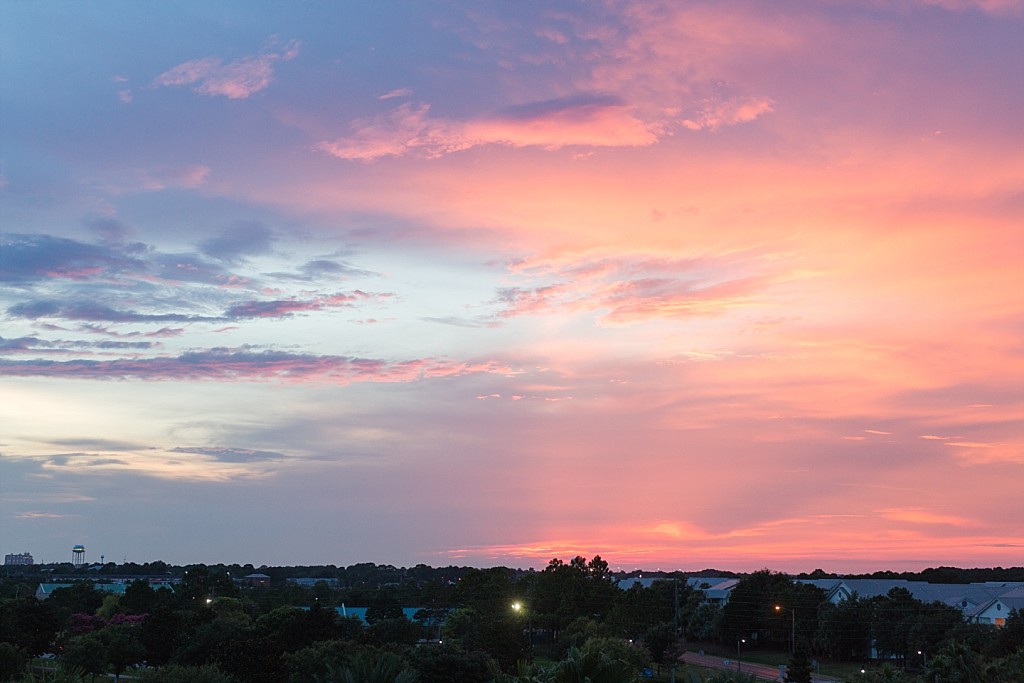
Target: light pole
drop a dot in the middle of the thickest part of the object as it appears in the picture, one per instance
(792, 636)
(741, 640)
(519, 607)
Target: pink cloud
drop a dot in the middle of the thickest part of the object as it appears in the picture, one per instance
(629, 289)
(398, 92)
(156, 179)
(990, 6)
(237, 79)
(714, 114)
(243, 365)
(980, 453)
(921, 516)
(584, 121)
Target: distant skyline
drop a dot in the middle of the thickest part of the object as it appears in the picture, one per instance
(683, 284)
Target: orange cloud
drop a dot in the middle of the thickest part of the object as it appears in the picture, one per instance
(921, 516)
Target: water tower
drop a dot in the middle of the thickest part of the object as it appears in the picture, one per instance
(78, 555)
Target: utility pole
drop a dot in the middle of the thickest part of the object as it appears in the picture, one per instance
(675, 659)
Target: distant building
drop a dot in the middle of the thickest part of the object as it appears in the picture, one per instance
(19, 558)
(309, 583)
(45, 590)
(256, 580)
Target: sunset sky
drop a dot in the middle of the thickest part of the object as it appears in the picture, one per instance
(731, 284)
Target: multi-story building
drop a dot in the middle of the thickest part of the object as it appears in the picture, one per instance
(19, 558)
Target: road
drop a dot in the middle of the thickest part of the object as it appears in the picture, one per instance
(762, 671)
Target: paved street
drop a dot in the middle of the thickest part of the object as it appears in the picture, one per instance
(762, 671)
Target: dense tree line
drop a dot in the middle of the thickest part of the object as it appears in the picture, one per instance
(476, 625)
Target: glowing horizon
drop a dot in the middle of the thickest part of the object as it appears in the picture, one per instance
(683, 284)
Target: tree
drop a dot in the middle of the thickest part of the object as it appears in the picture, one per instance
(751, 609)
(29, 624)
(381, 667)
(315, 663)
(954, 663)
(589, 665)
(895, 615)
(251, 659)
(398, 631)
(1010, 637)
(123, 647)
(658, 640)
(799, 669)
(844, 630)
(704, 623)
(207, 673)
(446, 663)
(139, 598)
(159, 634)
(86, 652)
(12, 661)
(293, 627)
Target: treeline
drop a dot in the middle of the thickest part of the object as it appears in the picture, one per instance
(475, 625)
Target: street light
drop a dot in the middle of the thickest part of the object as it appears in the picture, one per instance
(792, 637)
(519, 607)
(741, 640)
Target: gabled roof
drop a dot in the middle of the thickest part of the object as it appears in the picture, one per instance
(360, 612)
(968, 597)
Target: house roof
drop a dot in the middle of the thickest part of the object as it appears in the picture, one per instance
(360, 612)
(968, 597)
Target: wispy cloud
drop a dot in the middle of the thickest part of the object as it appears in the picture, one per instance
(224, 454)
(922, 516)
(241, 239)
(587, 120)
(715, 113)
(626, 289)
(44, 515)
(983, 453)
(226, 364)
(237, 79)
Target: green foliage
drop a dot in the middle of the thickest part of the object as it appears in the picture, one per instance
(883, 674)
(446, 663)
(564, 592)
(582, 629)
(207, 673)
(394, 631)
(12, 661)
(87, 652)
(1008, 669)
(903, 625)
(316, 662)
(293, 628)
(123, 647)
(844, 630)
(955, 663)
(380, 667)
(111, 605)
(751, 609)
(591, 665)
(29, 624)
(160, 633)
(253, 660)
(1010, 637)
(658, 639)
(704, 622)
(799, 668)
(62, 673)
(726, 677)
